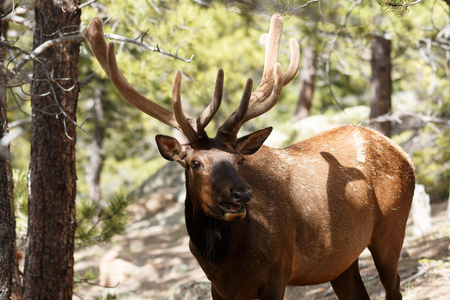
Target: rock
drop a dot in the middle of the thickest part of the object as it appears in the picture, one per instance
(114, 271)
(421, 211)
(193, 291)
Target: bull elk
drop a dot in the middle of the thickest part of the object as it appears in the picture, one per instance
(259, 218)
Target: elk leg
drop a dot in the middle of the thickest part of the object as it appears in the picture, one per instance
(386, 261)
(349, 284)
(272, 293)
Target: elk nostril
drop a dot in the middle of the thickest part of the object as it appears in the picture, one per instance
(235, 195)
(243, 194)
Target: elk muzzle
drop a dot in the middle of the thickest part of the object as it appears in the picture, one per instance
(233, 193)
(233, 206)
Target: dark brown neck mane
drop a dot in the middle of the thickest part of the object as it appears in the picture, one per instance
(210, 236)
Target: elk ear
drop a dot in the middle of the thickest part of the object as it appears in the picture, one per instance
(170, 149)
(251, 143)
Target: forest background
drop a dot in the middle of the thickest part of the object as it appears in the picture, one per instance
(115, 148)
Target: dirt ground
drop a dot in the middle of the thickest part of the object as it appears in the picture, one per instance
(151, 260)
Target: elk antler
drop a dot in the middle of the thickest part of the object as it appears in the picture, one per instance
(105, 54)
(268, 92)
(252, 104)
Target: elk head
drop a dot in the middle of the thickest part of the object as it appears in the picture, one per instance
(211, 164)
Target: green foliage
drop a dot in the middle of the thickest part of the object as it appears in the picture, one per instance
(433, 165)
(88, 276)
(221, 38)
(98, 223)
(433, 264)
(95, 223)
(218, 37)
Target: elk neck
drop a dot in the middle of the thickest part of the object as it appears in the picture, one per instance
(210, 236)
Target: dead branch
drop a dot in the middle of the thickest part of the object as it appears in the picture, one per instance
(116, 37)
(78, 38)
(87, 3)
(401, 116)
(19, 20)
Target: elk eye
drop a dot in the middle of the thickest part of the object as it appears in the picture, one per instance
(196, 164)
(241, 160)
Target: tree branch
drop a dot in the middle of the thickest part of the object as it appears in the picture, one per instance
(86, 3)
(19, 20)
(401, 116)
(44, 46)
(116, 37)
(78, 38)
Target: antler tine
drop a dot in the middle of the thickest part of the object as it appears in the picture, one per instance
(271, 100)
(181, 118)
(105, 55)
(268, 92)
(228, 131)
(272, 42)
(207, 115)
(294, 63)
(272, 46)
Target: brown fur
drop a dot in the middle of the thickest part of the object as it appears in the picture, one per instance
(316, 206)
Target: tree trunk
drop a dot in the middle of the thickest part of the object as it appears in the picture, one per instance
(381, 83)
(9, 276)
(7, 221)
(306, 84)
(49, 258)
(96, 149)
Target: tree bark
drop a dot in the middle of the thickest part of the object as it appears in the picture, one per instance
(306, 84)
(49, 257)
(381, 83)
(7, 221)
(9, 276)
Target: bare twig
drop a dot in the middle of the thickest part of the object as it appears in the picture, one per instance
(19, 123)
(88, 80)
(86, 3)
(96, 284)
(6, 140)
(422, 271)
(63, 112)
(19, 106)
(400, 116)
(113, 36)
(44, 46)
(19, 20)
(304, 5)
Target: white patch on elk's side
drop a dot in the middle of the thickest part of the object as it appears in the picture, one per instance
(360, 147)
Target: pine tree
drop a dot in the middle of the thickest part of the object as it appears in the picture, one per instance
(49, 259)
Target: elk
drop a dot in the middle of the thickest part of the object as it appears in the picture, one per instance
(260, 218)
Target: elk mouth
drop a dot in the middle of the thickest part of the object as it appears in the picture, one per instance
(232, 211)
